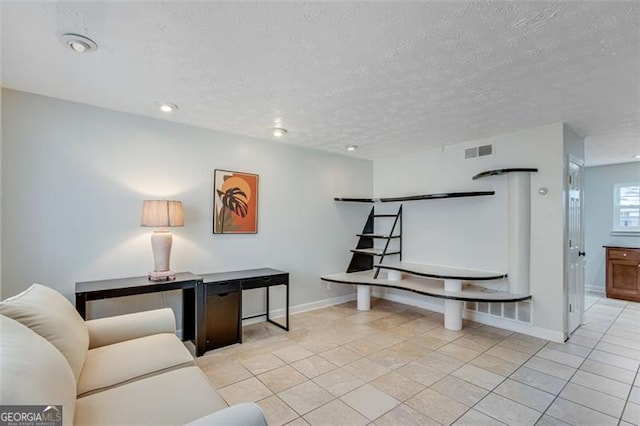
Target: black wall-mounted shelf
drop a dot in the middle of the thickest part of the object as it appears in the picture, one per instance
(357, 200)
(375, 252)
(438, 196)
(503, 171)
(379, 236)
(418, 197)
(434, 288)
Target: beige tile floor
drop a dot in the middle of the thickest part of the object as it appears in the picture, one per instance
(397, 365)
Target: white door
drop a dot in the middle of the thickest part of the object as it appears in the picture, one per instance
(575, 258)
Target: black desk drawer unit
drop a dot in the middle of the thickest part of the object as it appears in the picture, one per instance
(223, 311)
(221, 296)
(223, 287)
(266, 281)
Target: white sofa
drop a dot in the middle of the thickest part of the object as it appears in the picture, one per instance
(123, 370)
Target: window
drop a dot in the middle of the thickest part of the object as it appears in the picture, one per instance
(626, 208)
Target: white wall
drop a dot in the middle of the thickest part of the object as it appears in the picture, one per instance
(73, 181)
(472, 232)
(599, 182)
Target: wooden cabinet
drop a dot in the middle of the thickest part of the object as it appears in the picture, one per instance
(623, 273)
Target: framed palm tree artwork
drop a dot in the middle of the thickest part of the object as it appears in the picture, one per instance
(235, 202)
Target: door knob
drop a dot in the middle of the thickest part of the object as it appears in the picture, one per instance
(582, 253)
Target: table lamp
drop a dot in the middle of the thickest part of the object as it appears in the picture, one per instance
(162, 214)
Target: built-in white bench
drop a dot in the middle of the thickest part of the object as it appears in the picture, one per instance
(457, 287)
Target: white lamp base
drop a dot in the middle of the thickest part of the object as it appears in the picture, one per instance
(162, 276)
(161, 244)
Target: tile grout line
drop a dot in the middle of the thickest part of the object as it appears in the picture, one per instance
(624, 407)
(505, 379)
(427, 387)
(484, 351)
(635, 378)
(523, 364)
(369, 382)
(465, 364)
(342, 345)
(578, 369)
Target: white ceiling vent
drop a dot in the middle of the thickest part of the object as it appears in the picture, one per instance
(478, 151)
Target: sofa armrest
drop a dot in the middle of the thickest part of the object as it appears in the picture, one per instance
(120, 328)
(245, 414)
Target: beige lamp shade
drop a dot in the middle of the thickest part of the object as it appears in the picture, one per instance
(162, 213)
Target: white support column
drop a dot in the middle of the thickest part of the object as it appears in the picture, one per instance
(452, 308)
(364, 297)
(393, 275)
(519, 214)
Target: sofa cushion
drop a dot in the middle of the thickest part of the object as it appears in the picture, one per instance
(116, 364)
(120, 328)
(33, 371)
(172, 398)
(53, 317)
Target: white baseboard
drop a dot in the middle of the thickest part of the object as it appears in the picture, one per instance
(482, 318)
(406, 299)
(419, 302)
(518, 327)
(304, 307)
(595, 289)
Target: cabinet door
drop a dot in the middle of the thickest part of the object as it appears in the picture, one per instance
(222, 312)
(623, 278)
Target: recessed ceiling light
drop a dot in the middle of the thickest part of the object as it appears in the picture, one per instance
(168, 107)
(637, 156)
(279, 132)
(352, 147)
(78, 43)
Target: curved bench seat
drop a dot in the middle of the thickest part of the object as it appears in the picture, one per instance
(449, 287)
(428, 287)
(442, 272)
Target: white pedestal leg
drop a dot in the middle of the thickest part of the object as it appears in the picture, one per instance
(364, 297)
(393, 275)
(519, 214)
(452, 308)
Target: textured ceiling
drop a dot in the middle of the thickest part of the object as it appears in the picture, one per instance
(391, 77)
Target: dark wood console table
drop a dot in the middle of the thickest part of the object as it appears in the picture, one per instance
(106, 289)
(196, 290)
